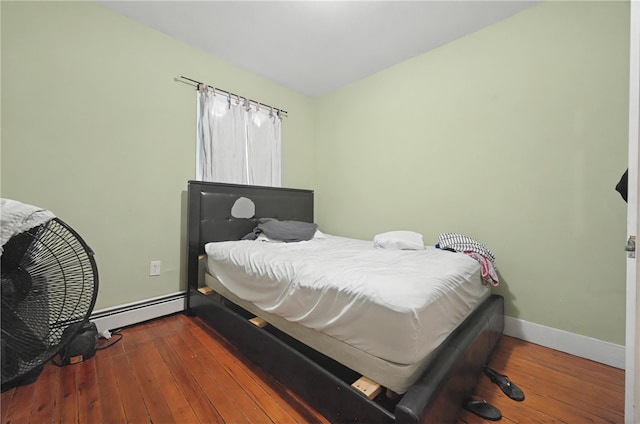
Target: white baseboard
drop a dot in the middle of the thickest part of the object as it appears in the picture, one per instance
(137, 312)
(564, 341)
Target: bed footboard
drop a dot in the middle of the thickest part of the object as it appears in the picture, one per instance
(437, 397)
(439, 394)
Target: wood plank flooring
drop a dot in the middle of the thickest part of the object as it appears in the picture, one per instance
(178, 370)
(170, 370)
(558, 387)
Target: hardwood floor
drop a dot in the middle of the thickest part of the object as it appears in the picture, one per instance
(178, 370)
(558, 387)
(170, 370)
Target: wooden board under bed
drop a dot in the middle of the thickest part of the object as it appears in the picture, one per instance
(436, 397)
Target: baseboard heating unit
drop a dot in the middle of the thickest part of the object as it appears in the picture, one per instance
(137, 312)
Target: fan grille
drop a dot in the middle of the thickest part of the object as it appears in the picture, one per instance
(63, 278)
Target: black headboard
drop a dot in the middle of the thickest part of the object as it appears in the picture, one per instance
(209, 215)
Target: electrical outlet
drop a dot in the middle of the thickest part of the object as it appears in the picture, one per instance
(154, 268)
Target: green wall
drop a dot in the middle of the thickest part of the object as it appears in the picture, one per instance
(515, 135)
(95, 128)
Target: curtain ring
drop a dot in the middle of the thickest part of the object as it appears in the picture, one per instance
(214, 91)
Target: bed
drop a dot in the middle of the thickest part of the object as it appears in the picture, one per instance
(331, 364)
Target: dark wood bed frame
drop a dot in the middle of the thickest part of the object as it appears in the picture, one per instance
(438, 395)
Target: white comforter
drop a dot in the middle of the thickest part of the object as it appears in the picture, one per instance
(398, 305)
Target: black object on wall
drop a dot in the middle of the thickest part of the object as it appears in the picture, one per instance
(621, 187)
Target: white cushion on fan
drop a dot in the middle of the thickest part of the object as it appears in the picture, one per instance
(17, 217)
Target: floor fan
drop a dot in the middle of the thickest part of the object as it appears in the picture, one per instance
(49, 288)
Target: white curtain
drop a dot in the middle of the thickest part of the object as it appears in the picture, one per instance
(236, 145)
(263, 147)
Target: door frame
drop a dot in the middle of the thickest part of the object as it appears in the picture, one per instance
(632, 334)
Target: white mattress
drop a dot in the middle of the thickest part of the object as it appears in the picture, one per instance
(397, 305)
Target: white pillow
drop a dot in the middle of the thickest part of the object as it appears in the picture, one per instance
(404, 240)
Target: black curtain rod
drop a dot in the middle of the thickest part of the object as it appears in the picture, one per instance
(197, 84)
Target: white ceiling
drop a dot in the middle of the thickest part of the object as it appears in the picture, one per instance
(315, 47)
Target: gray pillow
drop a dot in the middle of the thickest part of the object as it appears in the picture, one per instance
(287, 231)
